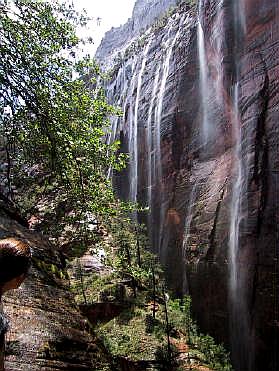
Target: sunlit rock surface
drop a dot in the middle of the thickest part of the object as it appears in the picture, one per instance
(47, 331)
(213, 198)
(144, 14)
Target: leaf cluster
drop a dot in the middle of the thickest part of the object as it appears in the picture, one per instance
(211, 353)
(52, 119)
(132, 257)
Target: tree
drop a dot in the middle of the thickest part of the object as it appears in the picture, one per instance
(52, 119)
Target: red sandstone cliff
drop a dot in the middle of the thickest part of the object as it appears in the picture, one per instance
(212, 201)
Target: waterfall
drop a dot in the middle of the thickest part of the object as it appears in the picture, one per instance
(130, 101)
(133, 152)
(186, 234)
(239, 24)
(241, 344)
(170, 42)
(242, 15)
(203, 80)
(210, 78)
(235, 212)
(133, 149)
(150, 146)
(217, 40)
(158, 112)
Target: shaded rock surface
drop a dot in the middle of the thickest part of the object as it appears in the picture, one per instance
(188, 183)
(47, 330)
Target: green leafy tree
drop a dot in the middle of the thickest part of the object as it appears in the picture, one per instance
(131, 258)
(53, 119)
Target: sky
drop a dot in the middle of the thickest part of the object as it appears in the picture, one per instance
(112, 13)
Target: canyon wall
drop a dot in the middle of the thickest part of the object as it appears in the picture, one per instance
(199, 94)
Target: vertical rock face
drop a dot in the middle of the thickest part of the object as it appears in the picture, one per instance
(212, 194)
(144, 14)
(146, 11)
(259, 230)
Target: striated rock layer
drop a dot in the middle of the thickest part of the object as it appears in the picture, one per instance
(47, 332)
(199, 95)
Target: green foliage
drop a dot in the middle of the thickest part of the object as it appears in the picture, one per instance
(131, 259)
(213, 354)
(127, 337)
(53, 121)
(96, 288)
(140, 333)
(162, 355)
(181, 317)
(50, 270)
(135, 334)
(188, 2)
(162, 21)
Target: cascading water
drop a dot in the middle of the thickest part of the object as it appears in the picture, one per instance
(203, 80)
(217, 41)
(236, 197)
(150, 146)
(159, 108)
(188, 221)
(210, 77)
(241, 342)
(132, 107)
(158, 118)
(241, 14)
(239, 318)
(133, 148)
(110, 139)
(154, 157)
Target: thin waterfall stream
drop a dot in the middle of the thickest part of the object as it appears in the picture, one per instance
(158, 119)
(150, 148)
(134, 144)
(131, 146)
(235, 212)
(217, 41)
(239, 319)
(186, 234)
(241, 346)
(203, 80)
